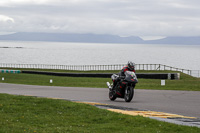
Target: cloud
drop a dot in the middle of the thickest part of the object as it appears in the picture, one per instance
(10, 3)
(117, 17)
(6, 19)
(152, 37)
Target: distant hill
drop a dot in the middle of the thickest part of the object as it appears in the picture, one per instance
(66, 37)
(94, 38)
(193, 40)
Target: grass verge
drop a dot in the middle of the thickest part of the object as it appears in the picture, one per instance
(29, 114)
(185, 83)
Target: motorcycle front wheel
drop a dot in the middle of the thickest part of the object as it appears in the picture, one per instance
(129, 92)
(112, 95)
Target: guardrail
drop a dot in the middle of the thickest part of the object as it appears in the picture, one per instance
(195, 73)
(9, 71)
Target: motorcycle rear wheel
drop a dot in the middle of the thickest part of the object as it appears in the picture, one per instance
(129, 92)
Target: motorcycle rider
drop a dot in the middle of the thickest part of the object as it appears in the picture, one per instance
(130, 67)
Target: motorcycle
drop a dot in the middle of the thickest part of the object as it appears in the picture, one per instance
(124, 87)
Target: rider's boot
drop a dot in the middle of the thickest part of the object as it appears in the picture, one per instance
(109, 86)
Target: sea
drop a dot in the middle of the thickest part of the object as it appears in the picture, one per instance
(67, 53)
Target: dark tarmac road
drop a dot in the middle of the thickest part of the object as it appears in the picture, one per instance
(185, 103)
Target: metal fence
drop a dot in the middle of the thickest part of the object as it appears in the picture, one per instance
(64, 67)
(195, 73)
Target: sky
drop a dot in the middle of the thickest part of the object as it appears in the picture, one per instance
(144, 18)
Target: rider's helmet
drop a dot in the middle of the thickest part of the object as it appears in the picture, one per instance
(131, 65)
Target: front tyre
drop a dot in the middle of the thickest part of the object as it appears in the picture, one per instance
(129, 92)
(112, 95)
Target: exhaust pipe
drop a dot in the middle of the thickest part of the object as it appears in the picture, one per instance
(108, 84)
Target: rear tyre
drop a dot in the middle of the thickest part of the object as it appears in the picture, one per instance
(129, 92)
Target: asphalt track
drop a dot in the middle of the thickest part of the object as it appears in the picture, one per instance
(186, 103)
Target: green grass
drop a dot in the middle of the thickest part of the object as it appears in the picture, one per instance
(185, 83)
(41, 115)
(35, 79)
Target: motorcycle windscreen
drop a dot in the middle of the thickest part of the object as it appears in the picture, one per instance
(131, 77)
